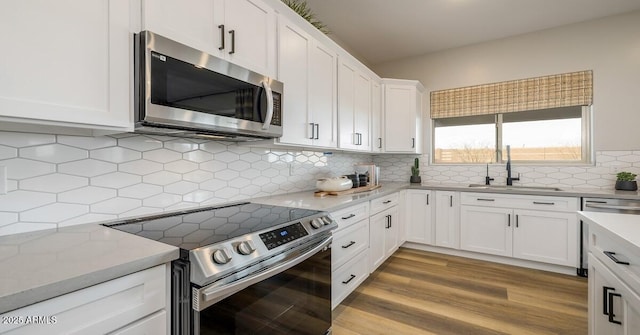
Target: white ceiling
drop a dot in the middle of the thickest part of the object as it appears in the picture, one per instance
(385, 30)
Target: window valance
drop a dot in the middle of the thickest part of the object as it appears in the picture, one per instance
(560, 90)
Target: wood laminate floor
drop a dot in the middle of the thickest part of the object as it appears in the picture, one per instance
(418, 292)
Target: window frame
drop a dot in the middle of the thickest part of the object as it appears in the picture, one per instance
(587, 153)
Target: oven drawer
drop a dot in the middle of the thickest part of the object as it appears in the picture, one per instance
(348, 277)
(351, 215)
(348, 242)
(380, 204)
(605, 247)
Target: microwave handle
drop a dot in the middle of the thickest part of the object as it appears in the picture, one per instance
(267, 88)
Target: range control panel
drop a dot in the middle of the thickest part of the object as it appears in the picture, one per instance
(278, 237)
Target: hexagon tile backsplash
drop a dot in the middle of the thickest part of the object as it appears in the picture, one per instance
(56, 180)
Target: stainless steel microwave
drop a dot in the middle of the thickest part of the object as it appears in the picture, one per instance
(181, 91)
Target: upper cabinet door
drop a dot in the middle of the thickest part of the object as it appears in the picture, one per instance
(240, 31)
(376, 116)
(66, 63)
(354, 107)
(403, 116)
(249, 34)
(294, 46)
(323, 91)
(191, 24)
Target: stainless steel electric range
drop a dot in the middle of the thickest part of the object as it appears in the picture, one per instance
(246, 268)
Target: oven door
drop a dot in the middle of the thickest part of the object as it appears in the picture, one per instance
(293, 297)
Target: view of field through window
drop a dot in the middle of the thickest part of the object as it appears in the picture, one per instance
(557, 138)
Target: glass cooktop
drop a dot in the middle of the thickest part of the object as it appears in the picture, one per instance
(202, 227)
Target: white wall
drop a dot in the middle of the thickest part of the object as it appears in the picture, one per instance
(610, 47)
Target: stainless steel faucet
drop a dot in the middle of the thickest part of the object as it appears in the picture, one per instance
(509, 178)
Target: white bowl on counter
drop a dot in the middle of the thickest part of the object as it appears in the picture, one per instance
(334, 184)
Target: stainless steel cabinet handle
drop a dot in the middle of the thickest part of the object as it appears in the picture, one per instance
(386, 202)
(517, 221)
(508, 220)
(313, 129)
(612, 256)
(543, 203)
(349, 280)
(379, 142)
(221, 27)
(348, 245)
(317, 132)
(605, 295)
(484, 199)
(427, 199)
(451, 201)
(348, 216)
(233, 42)
(413, 142)
(390, 221)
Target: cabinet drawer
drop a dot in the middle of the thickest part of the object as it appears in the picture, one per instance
(517, 201)
(351, 215)
(380, 204)
(347, 278)
(349, 242)
(98, 309)
(603, 245)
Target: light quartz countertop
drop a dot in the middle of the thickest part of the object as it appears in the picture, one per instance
(44, 264)
(625, 226)
(308, 200)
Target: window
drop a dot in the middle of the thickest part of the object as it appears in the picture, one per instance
(549, 135)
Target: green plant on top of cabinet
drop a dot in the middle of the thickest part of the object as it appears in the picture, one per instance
(354, 106)
(308, 70)
(66, 64)
(240, 31)
(402, 116)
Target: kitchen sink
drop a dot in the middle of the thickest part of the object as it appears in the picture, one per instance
(514, 187)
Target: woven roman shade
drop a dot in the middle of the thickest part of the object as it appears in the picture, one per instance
(560, 90)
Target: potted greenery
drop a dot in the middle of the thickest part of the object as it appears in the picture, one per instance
(626, 181)
(415, 172)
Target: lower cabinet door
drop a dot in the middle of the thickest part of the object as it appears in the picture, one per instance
(548, 237)
(486, 230)
(97, 309)
(347, 278)
(614, 309)
(349, 242)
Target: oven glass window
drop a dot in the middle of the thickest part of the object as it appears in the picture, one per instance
(182, 85)
(297, 301)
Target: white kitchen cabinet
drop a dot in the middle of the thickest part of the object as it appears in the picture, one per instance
(614, 274)
(614, 307)
(349, 251)
(486, 229)
(383, 236)
(354, 106)
(67, 64)
(131, 304)
(544, 236)
(402, 116)
(240, 31)
(376, 116)
(536, 228)
(308, 70)
(419, 212)
(447, 219)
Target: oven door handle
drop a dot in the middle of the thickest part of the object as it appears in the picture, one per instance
(208, 295)
(629, 208)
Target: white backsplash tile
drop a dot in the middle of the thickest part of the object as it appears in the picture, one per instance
(598, 176)
(59, 180)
